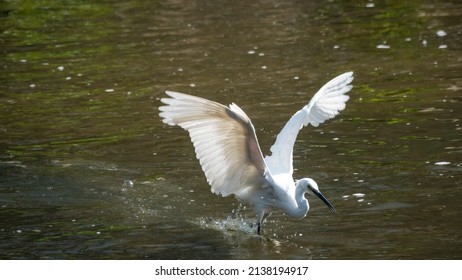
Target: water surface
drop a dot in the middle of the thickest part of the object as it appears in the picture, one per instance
(88, 170)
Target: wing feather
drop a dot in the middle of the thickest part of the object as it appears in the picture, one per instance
(224, 140)
(325, 104)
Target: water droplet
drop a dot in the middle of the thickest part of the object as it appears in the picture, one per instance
(442, 163)
(441, 33)
(358, 195)
(128, 183)
(60, 68)
(383, 46)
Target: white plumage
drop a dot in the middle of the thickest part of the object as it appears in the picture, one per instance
(227, 147)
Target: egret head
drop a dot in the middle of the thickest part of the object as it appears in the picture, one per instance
(311, 187)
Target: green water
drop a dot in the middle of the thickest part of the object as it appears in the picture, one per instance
(88, 170)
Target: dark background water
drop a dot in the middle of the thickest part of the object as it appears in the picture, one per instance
(88, 171)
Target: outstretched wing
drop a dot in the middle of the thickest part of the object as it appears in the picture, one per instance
(224, 140)
(324, 105)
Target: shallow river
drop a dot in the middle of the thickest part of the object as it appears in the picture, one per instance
(89, 171)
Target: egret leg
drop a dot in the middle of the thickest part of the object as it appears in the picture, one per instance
(261, 219)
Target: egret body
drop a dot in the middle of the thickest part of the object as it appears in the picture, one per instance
(228, 151)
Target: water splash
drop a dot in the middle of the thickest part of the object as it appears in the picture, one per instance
(230, 224)
(241, 232)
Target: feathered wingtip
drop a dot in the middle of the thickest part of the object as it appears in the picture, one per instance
(329, 100)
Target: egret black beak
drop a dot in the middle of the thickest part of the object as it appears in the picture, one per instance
(324, 199)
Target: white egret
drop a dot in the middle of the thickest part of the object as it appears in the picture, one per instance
(228, 151)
